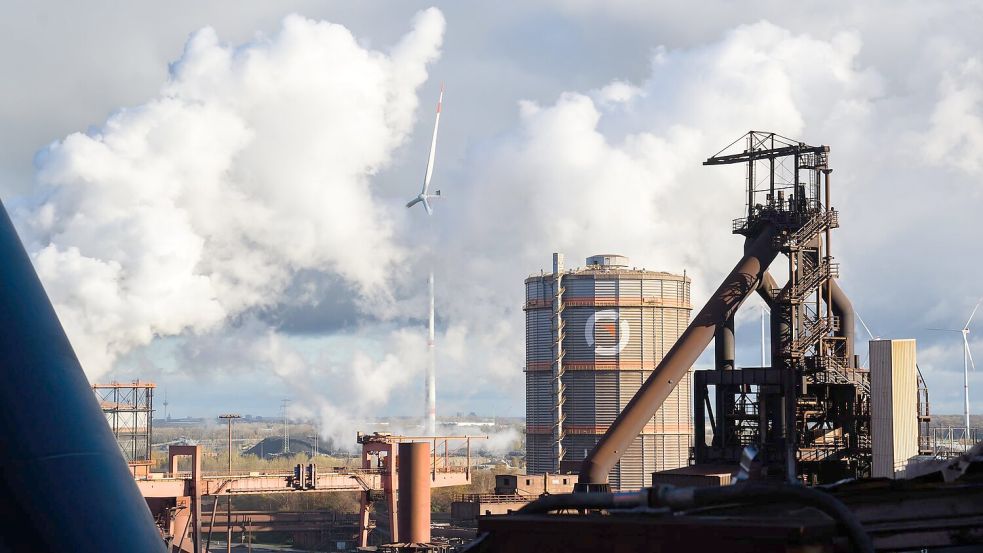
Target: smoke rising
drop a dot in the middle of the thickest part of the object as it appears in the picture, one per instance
(254, 162)
(190, 217)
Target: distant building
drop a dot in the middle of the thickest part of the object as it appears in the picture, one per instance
(617, 323)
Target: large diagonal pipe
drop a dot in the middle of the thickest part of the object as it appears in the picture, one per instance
(739, 284)
(65, 484)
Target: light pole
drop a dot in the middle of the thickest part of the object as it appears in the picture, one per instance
(314, 437)
(228, 519)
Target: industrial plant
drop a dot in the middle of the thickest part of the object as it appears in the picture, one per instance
(813, 452)
(628, 446)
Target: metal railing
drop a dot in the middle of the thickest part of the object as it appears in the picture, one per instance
(491, 498)
(949, 441)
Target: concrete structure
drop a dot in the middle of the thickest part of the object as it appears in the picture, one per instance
(593, 335)
(893, 406)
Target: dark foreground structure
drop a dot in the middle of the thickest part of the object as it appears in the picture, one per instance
(804, 420)
(65, 485)
(940, 509)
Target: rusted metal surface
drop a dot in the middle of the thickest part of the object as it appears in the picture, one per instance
(737, 286)
(63, 478)
(414, 492)
(617, 323)
(174, 454)
(843, 308)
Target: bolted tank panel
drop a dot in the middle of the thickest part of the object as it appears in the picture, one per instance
(618, 323)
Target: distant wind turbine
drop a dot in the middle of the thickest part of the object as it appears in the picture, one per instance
(424, 197)
(967, 360)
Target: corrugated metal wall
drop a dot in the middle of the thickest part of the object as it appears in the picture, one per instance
(619, 325)
(893, 405)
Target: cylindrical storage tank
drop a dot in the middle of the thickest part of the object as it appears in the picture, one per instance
(414, 492)
(618, 323)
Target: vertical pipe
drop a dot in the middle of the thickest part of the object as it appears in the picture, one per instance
(829, 257)
(363, 519)
(771, 182)
(390, 491)
(150, 419)
(762, 336)
(788, 424)
(228, 525)
(966, 384)
(724, 346)
(557, 369)
(414, 493)
(750, 176)
(699, 415)
(196, 495)
(724, 353)
(228, 503)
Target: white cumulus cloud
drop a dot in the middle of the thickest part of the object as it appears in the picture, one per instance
(253, 162)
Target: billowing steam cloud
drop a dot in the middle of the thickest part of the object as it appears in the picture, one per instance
(619, 169)
(253, 163)
(187, 215)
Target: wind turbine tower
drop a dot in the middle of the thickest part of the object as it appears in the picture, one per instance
(967, 361)
(424, 197)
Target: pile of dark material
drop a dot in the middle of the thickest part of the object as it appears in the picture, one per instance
(272, 447)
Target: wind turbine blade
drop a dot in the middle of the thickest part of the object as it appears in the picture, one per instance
(414, 201)
(946, 329)
(433, 143)
(969, 353)
(426, 205)
(971, 315)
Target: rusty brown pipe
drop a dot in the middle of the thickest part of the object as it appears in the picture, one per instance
(414, 492)
(739, 284)
(766, 289)
(724, 348)
(843, 309)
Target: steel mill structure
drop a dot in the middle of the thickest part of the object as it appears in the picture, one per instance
(809, 411)
(593, 335)
(804, 418)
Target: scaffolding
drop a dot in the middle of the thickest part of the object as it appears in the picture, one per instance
(129, 408)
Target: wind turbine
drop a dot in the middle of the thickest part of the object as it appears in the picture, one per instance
(424, 197)
(967, 360)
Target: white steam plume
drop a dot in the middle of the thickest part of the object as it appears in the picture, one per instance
(618, 170)
(251, 164)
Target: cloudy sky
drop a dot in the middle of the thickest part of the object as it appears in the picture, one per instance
(213, 193)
